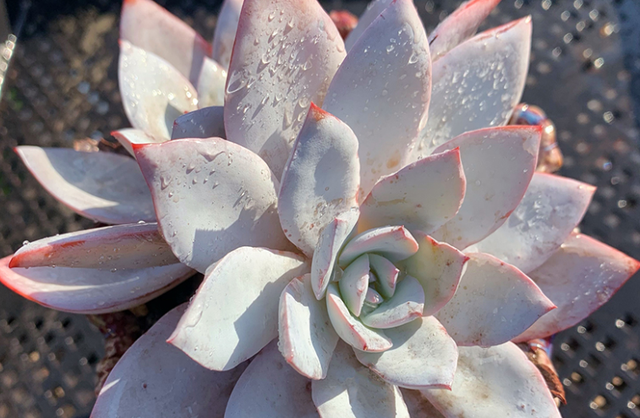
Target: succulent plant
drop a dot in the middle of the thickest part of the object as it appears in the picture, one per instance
(359, 202)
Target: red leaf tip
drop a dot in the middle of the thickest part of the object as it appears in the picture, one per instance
(138, 147)
(317, 113)
(13, 262)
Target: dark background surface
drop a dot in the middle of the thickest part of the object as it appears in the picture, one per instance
(62, 86)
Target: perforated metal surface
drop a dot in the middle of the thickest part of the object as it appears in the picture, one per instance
(63, 86)
(47, 362)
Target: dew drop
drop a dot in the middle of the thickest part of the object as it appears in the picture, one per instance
(287, 118)
(236, 82)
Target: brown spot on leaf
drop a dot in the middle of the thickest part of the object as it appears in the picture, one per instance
(394, 161)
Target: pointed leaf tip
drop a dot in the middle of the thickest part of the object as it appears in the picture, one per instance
(459, 26)
(579, 278)
(138, 147)
(317, 112)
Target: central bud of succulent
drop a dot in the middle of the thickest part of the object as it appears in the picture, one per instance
(370, 290)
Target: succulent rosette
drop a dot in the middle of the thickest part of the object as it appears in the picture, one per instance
(374, 239)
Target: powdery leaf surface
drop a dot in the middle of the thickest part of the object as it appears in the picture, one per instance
(155, 379)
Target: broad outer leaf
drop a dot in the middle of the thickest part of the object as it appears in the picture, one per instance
(234, 313)
(153, 93)
(211, 196)
(321, 179)
(225, 33)
(494, 303)
(350, 390)
(579, 278)
(147, 25)
(382, 91)
(498, 164)
(550, 209)
(307, 338)
(103, 186)
(155, 379)
(459, 26)
(91, 291)
(421, 196)
(207, 122)
(112, 247)
(270, 388)
(477, 84)
(423, 355)
(438, 267)
(210, 85)
(129, 136)
(284, 56)
(495, 382)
